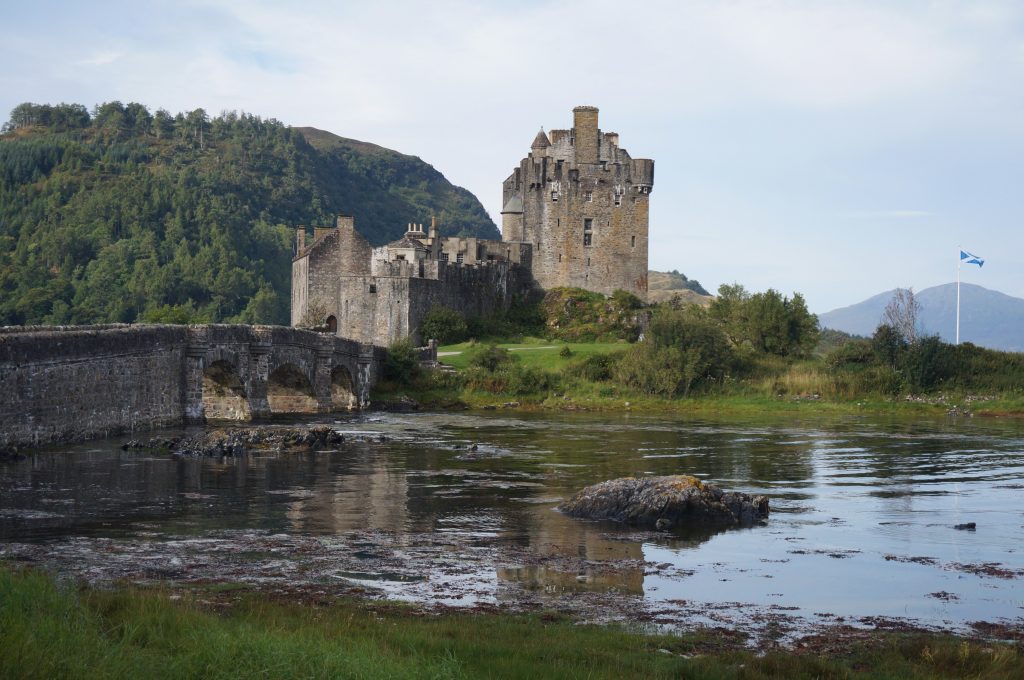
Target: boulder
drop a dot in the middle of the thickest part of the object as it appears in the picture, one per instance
(665, 503)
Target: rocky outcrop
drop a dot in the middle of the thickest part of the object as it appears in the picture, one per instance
(666, 503)
(238, 442)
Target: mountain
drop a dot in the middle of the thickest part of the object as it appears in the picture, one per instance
(663, 286)
(988, 318)
(121, 214)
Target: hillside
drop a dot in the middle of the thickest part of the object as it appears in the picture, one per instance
(988, 318)
(124, 215)
(663, 286)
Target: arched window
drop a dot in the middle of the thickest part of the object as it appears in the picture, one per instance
(332, 324)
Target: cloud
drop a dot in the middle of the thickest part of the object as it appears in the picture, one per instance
(887, 214)
(100, 59)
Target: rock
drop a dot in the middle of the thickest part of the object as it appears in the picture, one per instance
(665, 503)
(221, 443)
(969, 526)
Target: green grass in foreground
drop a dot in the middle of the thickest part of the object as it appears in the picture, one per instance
(52, 632)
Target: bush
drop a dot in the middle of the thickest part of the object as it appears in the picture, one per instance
(402, 365)
(683, 349)
(853, 354)
(445, 325)
(491, 358)
(596, 367)
(566, 352)
(510, 378)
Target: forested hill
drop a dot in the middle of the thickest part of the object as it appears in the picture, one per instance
(121, 214)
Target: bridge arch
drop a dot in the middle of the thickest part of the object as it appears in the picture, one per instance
(223, 392)
(343, 389)
(290, 390)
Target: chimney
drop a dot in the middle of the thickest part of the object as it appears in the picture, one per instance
(300, 239)
(586, 133)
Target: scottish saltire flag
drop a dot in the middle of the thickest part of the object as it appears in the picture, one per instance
(967, 258)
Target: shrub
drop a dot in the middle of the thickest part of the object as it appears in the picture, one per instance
(510, 378)
(566, 352)
(596, 367)
(445, 325)
(491, 358)
(683, 349)
(402, 365)
(853, 354)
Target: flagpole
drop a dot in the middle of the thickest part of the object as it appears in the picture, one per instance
(958, 260)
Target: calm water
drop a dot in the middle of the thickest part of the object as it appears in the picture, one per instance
(862, 516)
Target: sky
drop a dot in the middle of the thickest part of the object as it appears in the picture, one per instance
(837, 149)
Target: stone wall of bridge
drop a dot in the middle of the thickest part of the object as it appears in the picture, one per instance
(60, 384)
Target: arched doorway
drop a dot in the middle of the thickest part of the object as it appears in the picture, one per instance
(343, 393)
(224, 395)
(289, 391)
(332, 324)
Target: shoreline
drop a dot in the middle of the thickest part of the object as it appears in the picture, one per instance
(54, 627)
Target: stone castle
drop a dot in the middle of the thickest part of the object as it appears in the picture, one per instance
(575, 214)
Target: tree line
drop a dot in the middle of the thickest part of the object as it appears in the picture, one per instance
(120, 214)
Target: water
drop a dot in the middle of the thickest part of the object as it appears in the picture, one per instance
(861, 530)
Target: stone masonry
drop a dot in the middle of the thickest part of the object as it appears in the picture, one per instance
(575, 214)
(582, 203)
(381, 295)
(77, 382)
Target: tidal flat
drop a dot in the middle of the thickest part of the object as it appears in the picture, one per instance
(455, 512)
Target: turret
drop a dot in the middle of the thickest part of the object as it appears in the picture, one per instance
(540, 143)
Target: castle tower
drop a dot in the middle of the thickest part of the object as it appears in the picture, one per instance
(582, 202)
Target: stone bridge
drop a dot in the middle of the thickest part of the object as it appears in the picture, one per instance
(67, 383)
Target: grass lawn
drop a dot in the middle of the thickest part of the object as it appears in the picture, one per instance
(532, 352)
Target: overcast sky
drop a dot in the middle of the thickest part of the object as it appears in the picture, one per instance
(837, 149)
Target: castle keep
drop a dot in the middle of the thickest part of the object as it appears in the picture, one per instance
(582, 203)
(575, 214)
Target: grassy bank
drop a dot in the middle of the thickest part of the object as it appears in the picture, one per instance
(545, 374)
(59, 632)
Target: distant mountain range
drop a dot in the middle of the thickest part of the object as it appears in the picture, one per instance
(988, 318)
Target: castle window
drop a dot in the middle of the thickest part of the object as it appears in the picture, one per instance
(604, 165)
(400, 257)
(632, 241)
(460, 258)
(444, 257)
(587, 238)
(559, 257)
(588, 261)
(589, 197)
(618, 200)
(554, 195)
(588, 228)
(373, 287)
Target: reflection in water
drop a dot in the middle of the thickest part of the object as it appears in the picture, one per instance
(861, 524)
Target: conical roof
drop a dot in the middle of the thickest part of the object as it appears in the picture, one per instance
(541, 141)
(514, 205)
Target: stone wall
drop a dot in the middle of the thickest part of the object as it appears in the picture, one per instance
(582, 202)
(71, 383)
(77, 383)
(383, 309)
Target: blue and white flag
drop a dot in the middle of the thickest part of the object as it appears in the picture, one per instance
(966, 257)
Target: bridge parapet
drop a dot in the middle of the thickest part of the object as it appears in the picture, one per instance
(67, 383)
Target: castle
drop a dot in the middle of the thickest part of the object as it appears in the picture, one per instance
(575, 214)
